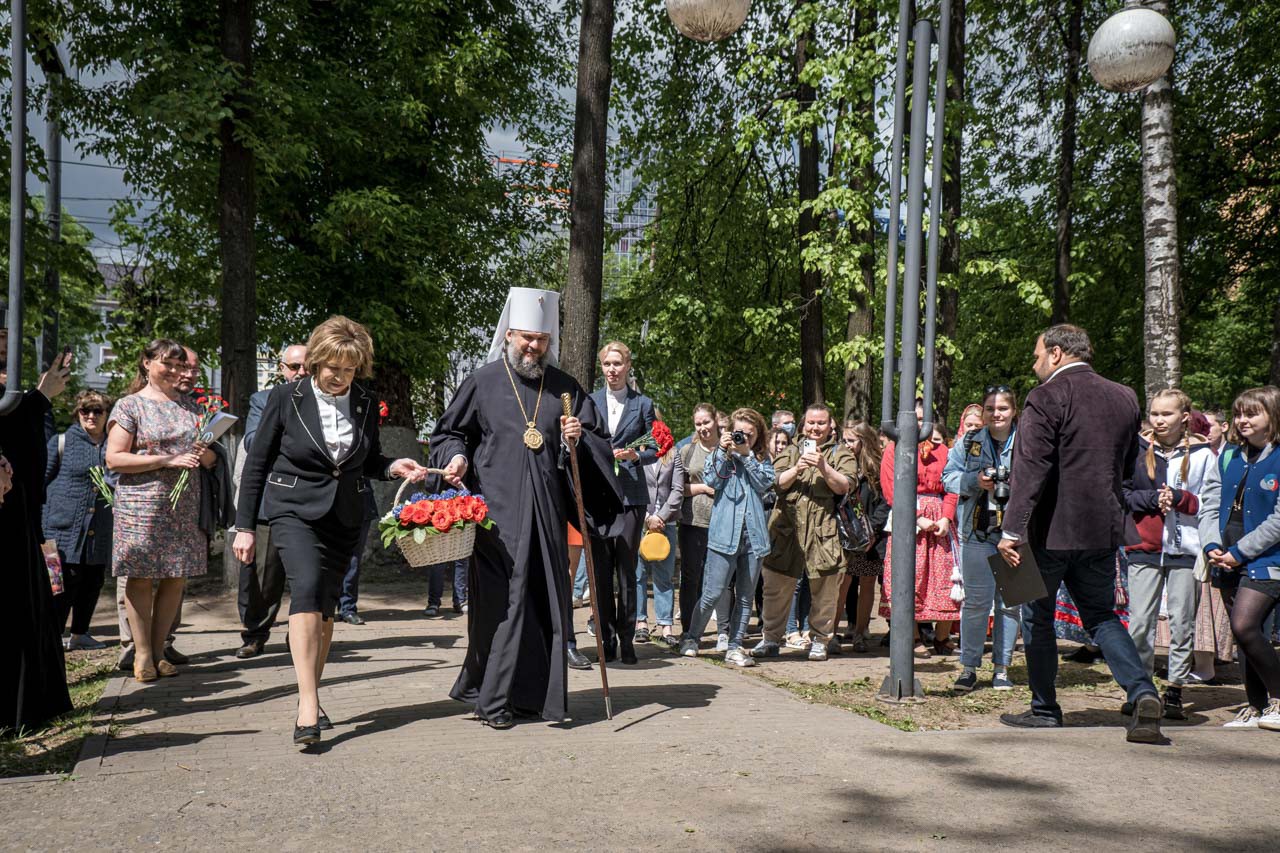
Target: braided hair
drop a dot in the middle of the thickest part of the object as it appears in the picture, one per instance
(1183, 403)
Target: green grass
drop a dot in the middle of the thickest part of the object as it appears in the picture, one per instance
(847, 695)
(55, 748)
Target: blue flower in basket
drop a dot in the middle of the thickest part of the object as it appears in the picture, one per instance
(417, 496)
(395, 510)
(449, 494)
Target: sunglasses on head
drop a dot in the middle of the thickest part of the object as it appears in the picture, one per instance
(96, 412)
(997, 389)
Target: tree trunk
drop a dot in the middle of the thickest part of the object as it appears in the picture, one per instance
(1163, 289)
(858, 388)
(1067, 167)
(1274, 376)
(949, 262)
(812, 345)
(580, 336)
(237, 204)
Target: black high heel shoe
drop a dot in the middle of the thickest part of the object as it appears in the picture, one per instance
(322, 721)
(306, 735)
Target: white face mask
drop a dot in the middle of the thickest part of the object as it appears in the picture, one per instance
(789, 429)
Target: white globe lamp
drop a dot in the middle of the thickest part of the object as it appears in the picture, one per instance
(1131, 50)
(708, 20)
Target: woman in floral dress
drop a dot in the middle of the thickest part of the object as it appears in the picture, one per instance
(935, 562)
(156, 545)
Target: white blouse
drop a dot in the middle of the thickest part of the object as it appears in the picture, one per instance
(335, 420)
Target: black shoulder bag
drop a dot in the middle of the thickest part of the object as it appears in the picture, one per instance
(852, 523)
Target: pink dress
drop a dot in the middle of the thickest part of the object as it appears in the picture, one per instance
(152, 538)
(934, 558)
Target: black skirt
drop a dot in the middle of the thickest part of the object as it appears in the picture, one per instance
(315, 555)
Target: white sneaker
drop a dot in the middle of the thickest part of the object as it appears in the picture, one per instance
(1246, 719)
(818, 651)
(739, 657)
(722, 643)
(1270, 719)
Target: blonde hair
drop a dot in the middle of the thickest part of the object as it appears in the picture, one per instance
(618, 347)
(340, 340)
(91, 395)
(1184, 405)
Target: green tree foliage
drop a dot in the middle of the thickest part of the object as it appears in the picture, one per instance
(377, 196)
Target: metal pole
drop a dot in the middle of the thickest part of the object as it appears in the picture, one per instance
(17, 184)
(895, 221)
(53, 216)
(935, 217)
(901, 682)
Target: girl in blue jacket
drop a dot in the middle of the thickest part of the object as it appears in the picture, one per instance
(1240, 529)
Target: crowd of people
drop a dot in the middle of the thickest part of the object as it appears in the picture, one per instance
(1161, 530)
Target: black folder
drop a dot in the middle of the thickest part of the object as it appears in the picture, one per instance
(1020, 584)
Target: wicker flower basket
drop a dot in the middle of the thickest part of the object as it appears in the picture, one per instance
(436, 547)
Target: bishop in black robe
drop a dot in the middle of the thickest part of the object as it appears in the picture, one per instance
(519, 591)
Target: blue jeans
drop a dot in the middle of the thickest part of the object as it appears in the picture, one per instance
(460, 581)
(662, 573)
(580, 577)
(800, 604)
(1090, 578)
(351, 580)
(435, 583)
(744, 568)
(980, 593)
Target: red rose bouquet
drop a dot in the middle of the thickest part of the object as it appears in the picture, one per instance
(431, 515)
(210, 404)
(659, 438)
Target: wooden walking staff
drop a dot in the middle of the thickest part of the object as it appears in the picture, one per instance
(567, 401)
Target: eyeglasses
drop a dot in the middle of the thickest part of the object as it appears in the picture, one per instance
(295, 366)
(997, 389)
(95, 412)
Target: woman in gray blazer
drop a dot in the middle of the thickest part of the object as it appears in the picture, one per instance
(665, 479)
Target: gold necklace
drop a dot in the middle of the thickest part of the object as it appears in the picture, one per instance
(532, 437)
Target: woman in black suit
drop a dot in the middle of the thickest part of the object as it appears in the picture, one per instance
(315, 444)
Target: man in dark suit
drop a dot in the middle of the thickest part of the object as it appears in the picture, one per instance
(262, 582)
(630, 416)
(1077, 436)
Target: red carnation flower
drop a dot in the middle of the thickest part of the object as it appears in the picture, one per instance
(421, 514)
(467, 512)
(441, 521)
(427, 505)
(480, 513)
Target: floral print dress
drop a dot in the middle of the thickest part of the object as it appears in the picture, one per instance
(153, 539)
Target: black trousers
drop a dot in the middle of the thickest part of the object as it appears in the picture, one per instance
(693, 560)
(82, 584)
(261, 587)
(615, 564)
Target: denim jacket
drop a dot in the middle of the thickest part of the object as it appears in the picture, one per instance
(960, 476)
(740, 483)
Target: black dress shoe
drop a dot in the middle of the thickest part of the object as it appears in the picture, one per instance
(1144, 726)
(304, 735)
(502, 720)
(1029, 720)
(629, 654)
(251, 649)
(353, 618)
(175, 657)
(323, 723)
(1084, 655)
(577, 660)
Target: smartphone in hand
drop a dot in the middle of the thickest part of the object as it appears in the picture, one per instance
(810, 446)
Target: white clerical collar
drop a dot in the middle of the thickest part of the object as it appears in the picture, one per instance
(332, 399)
(1066, 367)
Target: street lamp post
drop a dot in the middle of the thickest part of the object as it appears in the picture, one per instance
(901, 684)
(17, 184)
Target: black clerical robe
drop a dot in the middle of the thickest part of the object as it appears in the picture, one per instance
(33, 681)
(519, 593)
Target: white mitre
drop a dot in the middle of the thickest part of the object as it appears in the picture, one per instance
(529, 310)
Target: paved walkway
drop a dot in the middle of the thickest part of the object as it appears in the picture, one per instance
(697, 757)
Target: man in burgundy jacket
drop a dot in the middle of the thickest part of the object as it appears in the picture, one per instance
(1077, 436)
